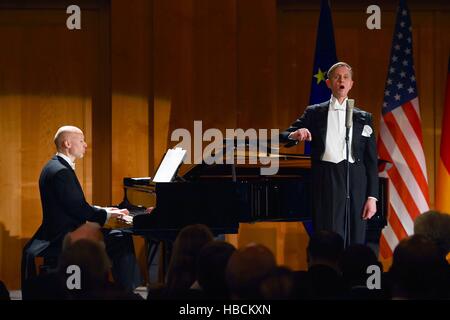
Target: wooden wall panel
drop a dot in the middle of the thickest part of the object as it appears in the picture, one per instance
(194, 67)
(214, 63)
(47, 80)
(257, 63)
(131, 91)
(172, 75)
(131, 78)
(10, 188)
(101, 111)
(295, 57)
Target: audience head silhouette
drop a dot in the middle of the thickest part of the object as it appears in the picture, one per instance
(246, 268)
(211, 265)
(181, 273)
(435, 226)
(325, 248)
(418, 269)
(93, 263)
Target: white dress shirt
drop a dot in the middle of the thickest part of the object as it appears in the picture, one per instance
(335, 140)
(62, 155)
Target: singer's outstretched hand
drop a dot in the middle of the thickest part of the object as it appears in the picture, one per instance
(301, 134)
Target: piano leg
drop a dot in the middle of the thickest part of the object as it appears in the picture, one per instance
(158, 257)
(152, 250)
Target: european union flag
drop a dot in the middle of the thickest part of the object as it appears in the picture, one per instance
(325, 57)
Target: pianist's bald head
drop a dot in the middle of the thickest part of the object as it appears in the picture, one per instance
(63, 134)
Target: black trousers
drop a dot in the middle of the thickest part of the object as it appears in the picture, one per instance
(329, 194)
(120, 249)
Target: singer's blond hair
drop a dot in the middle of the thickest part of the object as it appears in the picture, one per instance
(337, 65)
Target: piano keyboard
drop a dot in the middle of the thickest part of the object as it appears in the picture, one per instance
(136, 211)
(128, 219)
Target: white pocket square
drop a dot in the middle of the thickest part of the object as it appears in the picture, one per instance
(367, 131)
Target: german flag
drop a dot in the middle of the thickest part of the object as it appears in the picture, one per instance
(443, 178)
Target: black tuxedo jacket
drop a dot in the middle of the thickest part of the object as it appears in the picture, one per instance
(64, 209)
(315, 119)
(63, 203)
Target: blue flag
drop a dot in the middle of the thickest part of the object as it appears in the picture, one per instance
(324, 58)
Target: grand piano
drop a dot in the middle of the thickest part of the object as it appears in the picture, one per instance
(222, 196)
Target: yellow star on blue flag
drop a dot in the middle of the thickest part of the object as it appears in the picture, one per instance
(320, 75)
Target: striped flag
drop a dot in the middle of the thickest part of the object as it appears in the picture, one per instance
(400, 139)
(443, 178)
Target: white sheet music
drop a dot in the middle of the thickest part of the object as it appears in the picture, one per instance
(169, 165)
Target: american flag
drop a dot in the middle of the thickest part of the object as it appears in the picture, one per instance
(400, 139)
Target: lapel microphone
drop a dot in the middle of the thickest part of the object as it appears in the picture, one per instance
(349, 113)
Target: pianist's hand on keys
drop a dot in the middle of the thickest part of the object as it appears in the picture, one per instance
(126, 216)
(128, 219)
(116, 212)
